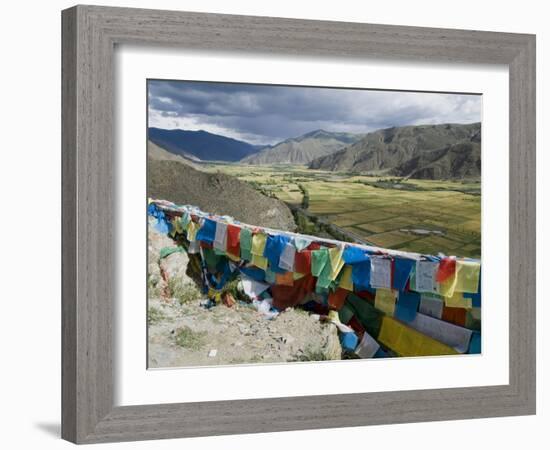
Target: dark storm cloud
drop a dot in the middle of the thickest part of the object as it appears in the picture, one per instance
(267, 114)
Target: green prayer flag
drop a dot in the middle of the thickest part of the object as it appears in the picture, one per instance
(367, 314)
(324, 278)
(246, 244)
(319, 259)
(167, 251)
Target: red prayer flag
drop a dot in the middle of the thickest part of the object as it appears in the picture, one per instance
(447, 268)
(337, 298)
(233, 239)
(302, 262)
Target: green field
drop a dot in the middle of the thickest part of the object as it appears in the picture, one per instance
(425, 216)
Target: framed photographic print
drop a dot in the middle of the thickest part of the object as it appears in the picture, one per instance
(263, 217)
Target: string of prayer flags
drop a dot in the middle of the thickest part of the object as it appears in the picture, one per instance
(387, 302)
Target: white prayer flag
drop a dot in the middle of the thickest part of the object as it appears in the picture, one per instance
(380, 272)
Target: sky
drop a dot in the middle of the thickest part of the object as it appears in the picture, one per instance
(267, 114)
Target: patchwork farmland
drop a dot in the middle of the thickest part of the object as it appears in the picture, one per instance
(425, 216)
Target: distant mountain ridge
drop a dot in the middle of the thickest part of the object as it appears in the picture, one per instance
(303, 149)
(446, 151)
(202, 145)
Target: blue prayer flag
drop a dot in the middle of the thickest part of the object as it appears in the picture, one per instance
(207, 232)
(402, 270)
(407, 306)
(354, 255)
(360, 274)
(273, 248)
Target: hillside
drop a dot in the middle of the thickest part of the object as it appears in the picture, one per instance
(157, 153)
(216, 193)
(303, 149)
(447, 151)
(201, 145)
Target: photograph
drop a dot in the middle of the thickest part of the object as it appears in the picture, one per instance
(304, 224)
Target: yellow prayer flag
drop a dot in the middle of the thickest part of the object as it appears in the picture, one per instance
(258, 244)
(406, 341)
(458, 301)
(336, 260)
(467, 276)
(346, 281)
(385, 301)
(259, 261)
(192, 230)
(447, 287)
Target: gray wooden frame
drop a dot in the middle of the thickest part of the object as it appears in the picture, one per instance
(89, 34)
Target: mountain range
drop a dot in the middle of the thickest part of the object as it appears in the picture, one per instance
(303, 149)
(446, 151)
(202, 145)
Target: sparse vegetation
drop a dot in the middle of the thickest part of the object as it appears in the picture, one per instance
(155, 315)
(187, 338)
(153, 286)
(183, 292)
(311, 355)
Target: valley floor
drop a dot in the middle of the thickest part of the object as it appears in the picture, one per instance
(424, 216)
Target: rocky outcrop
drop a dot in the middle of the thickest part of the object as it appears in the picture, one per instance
(183, 333)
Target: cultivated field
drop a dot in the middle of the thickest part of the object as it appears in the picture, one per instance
(425, 216)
